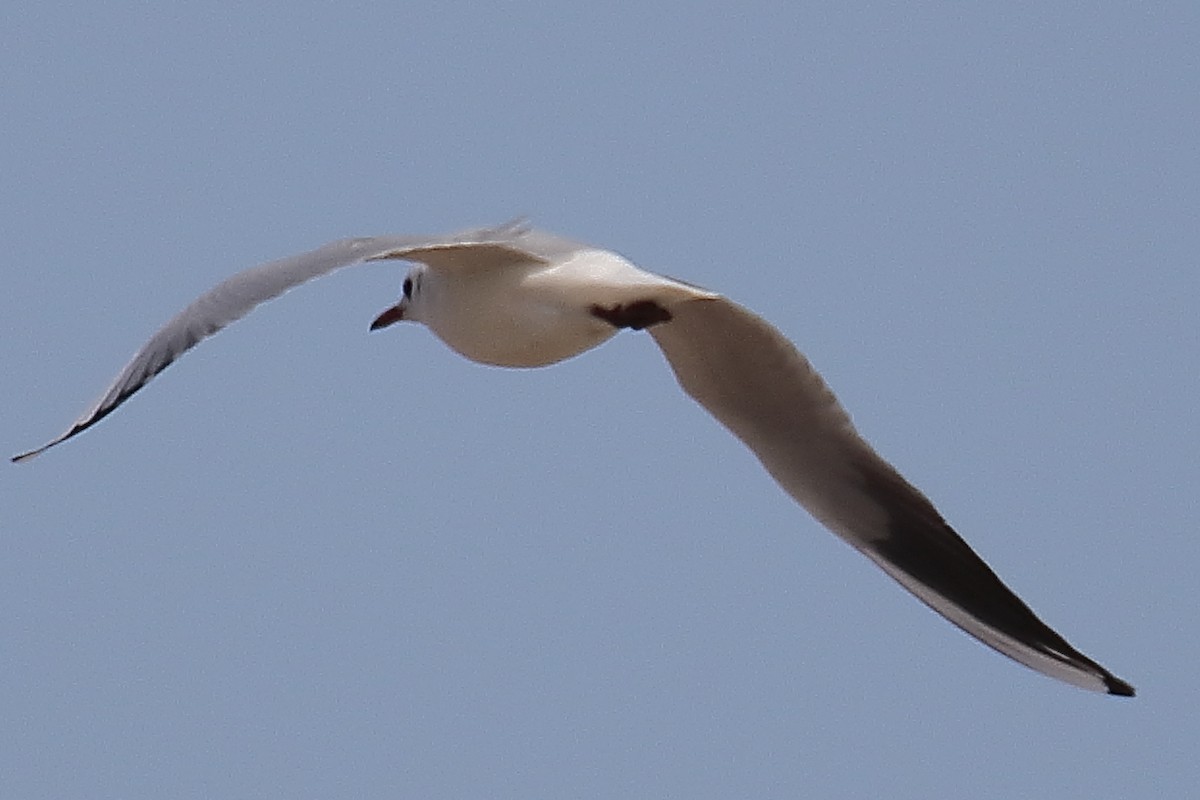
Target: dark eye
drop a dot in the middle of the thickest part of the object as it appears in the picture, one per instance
(407, 288)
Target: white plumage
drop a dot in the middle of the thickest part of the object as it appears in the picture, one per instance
(516, 297)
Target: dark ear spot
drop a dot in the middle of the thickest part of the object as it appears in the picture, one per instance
(637, 315)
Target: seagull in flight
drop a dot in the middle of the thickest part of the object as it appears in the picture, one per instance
(513, 296)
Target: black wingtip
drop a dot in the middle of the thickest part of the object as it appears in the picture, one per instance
(21, 458)
(1118, 687)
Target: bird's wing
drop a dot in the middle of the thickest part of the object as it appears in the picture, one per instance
(491, 248)
(755, 382)
(235, 297)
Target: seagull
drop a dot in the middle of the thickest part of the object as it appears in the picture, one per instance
(513, 296)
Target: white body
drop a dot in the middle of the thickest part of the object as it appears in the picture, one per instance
(531, 314)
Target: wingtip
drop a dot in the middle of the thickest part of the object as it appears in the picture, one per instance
(1118, 687)
(21, 458)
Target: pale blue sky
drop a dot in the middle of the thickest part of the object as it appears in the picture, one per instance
(310, 562)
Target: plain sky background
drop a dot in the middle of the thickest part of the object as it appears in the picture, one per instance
(313, 562)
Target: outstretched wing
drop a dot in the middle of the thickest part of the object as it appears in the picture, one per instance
(755, 382)
(235, 297)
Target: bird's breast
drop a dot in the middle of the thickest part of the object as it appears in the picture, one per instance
(526, 335)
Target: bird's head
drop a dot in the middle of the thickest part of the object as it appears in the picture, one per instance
(410, 300)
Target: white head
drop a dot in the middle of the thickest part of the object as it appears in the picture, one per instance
(409, 307)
